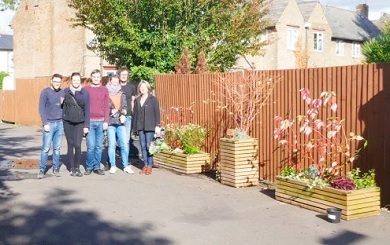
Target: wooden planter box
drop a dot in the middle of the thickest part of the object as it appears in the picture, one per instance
(239, 163)
(183, 163)
(354, 204)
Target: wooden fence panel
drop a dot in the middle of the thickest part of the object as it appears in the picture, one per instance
(21, 105)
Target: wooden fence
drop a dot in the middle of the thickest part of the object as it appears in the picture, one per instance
(363, 94)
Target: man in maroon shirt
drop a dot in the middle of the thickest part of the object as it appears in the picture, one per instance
(99, 112)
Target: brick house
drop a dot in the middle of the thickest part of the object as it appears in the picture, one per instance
(307, 34)
(46, 43)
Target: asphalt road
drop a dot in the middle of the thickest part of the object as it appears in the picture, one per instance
(163, 208)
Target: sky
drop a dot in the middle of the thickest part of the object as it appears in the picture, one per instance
(376, 8)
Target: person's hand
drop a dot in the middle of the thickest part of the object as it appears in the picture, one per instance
(124, 112)
(105, 126)
(157, 129)
(122, 119)
(46, 128)
(114, 111)
(86, 130)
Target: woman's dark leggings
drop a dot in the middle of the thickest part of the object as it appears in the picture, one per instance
(74, 135)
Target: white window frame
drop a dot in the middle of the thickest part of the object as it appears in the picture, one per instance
(292, 38)
(356, 51)
(264, 37)
(340, 47)
(318, 41)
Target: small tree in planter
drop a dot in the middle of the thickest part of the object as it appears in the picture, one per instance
(242, 100)
(327, 147)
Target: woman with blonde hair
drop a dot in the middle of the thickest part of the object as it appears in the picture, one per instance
(146, 118)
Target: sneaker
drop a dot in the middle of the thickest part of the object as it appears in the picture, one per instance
(41, 174)
(98, 171)
(128, 170)
(113, 170)
(56, 172)
(78, 173)
(88, 171)
(72, 172)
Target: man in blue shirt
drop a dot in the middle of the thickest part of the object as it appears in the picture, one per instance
(50, 110)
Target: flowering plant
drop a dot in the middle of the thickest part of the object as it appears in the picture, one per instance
(187, 139)
(323, 143)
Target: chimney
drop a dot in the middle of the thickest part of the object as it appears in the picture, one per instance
(362, 9)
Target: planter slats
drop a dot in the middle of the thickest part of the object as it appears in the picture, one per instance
(354, 203)
(184, 163)
(239, 162)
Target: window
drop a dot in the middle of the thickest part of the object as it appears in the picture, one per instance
(339, 47)
(264, 37)
(356, 50)
(292, 38)
(318, 41)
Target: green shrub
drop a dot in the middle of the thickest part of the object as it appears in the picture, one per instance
(2, 76)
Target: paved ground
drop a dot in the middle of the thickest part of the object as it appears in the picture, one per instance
(164, 208)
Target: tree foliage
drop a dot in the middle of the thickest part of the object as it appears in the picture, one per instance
(377, 50)
(9, 4)
(153, 33)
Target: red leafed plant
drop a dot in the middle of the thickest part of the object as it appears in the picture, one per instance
(310, 137)
(342, 183)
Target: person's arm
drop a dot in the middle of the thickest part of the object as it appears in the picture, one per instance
(106, 99)
(157, 111)
(124, 107)
(42, 110)
(87, 110)
(132, 103)
(134, 119)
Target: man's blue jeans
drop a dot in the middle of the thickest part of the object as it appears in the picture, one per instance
(128, 129)
(114, 133)
(53, 136)
(95, 138)
(145, 138)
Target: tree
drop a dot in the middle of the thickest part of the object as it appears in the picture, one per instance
(201, 64)
(9, 4)
(184, 64)
(152, 33)
(377, 50)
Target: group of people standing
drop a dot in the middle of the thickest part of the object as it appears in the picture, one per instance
(116, 108)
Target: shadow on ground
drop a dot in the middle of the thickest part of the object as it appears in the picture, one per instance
(344, 237)
(14, 145)
(56, 223)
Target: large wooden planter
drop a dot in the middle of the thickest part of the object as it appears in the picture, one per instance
(354, 204)
(239, 163)
(183, 163)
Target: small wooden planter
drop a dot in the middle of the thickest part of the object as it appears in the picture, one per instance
(239, 163)
(183, 163)
(354, 204)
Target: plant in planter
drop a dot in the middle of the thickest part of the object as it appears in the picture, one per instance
(181, 148)
(326, 146)
(243, 99)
